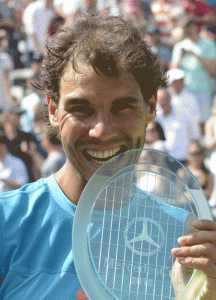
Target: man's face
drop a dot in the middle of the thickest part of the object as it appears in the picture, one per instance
(99, 117)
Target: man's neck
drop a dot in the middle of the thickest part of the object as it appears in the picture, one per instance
(71, 182)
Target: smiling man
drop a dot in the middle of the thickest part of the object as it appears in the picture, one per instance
(100, 80)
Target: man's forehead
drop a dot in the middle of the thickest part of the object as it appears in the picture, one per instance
(86, 75)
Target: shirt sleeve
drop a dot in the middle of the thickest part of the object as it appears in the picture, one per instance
(209, 50)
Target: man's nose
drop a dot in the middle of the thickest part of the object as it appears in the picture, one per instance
(103, 128)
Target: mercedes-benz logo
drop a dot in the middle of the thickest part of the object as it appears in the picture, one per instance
(144, 236)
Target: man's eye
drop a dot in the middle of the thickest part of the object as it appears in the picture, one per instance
(82, 110)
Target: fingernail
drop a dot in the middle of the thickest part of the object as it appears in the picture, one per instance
(176, 250)
(181, 239)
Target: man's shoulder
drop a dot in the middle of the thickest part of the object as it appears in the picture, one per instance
(18, 202)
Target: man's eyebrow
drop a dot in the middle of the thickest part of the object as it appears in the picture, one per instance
(125, 100)
(75, 101)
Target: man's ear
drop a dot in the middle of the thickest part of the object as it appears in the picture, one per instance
(152, 102)
(53, 116)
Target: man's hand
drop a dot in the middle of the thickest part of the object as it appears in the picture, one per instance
(198, 251)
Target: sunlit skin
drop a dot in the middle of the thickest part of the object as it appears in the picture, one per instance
(98, 117)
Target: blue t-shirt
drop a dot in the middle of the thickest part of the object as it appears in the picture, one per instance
(36, 236)
(36, 242)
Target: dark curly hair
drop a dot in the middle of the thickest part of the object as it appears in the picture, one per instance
(110, 45)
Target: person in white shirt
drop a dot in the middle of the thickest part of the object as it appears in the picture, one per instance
(36, 19)
(177, 125)
(13, 173)
(6, 66)
(181, 98)
(29, 104)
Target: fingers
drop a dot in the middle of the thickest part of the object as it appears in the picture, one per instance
(204, 225)
(198, 251)
(203, 264)
(206, 234)
(206, 250)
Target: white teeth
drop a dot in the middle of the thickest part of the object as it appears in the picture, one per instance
(103, 154)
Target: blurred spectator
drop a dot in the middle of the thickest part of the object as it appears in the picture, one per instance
(89, 6)
(26, 17)
(209, 32)
(202, 11)
(153, 38)
(36, 19)
(40, 120)
(146, 9)
(20, 143)
(56, 157)
(196, 56)
(66, 9)
(210, 138)
(69, 10)
(178, 126)
(133, 10)
(164, 11)
(17, 7)
(195, 163)
(114, 7)
(6, 66)
(4, 41)
(54, 24)
(13, 173)
(155, 138)
(181, 98)
(177, 34)
(29, 103)
(36, 62)
(9, 23)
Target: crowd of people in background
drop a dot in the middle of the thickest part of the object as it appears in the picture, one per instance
(183, 35)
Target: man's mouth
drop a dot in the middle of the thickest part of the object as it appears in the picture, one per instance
(100, 157)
